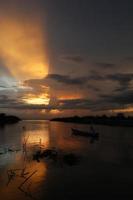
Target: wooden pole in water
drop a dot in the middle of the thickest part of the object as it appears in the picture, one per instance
(27, 179)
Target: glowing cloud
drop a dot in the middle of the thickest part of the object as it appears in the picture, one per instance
(42, 99)
(22, 48)
(124, 110)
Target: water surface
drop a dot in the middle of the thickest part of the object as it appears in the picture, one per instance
(104, 169)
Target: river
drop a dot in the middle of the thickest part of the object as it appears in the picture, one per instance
(104, 169)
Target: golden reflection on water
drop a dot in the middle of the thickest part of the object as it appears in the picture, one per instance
(109, 157)
(63, 138)
(36, 137)
(21, 161)
(30, 188)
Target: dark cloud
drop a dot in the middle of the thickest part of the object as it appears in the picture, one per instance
(107, 102)
(93, 88)
(67, 79)
(123, 98)
(75, 104)
(105, 65)
(73, 58)
(93, 83)
(94, 75)
(121, 77)
(2, 86)
(83, 85)
(6, 101)
(124, 80)
(128, 59)
(63, 79)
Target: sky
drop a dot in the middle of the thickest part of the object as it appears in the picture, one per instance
(66, 57)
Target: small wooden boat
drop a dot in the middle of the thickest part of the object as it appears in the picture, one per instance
(85, 133)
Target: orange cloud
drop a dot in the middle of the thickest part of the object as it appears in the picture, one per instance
(41, 99)
(23, 46)
(124, 110)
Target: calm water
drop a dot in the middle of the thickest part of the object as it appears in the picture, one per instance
(105, 168)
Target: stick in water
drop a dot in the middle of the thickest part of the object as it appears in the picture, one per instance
(27, 179)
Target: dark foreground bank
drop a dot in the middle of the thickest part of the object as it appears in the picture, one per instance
(119, 120)
(8, 119)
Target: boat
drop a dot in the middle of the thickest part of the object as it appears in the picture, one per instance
(91, 134)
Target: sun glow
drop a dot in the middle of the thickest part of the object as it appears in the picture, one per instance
(124, 110)
(23, 47)
(42, 99)
(23, 52)
(128, 110)
(55, 111)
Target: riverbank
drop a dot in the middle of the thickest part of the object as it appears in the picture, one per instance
(8, 119)
(99, 120)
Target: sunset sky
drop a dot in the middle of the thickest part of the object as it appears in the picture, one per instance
(66, 57)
